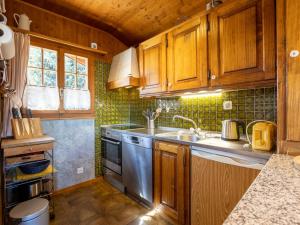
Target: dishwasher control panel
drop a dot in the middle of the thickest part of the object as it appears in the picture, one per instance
(145, 142)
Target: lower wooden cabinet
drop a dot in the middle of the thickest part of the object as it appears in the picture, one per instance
(171, 180)
(215, 189)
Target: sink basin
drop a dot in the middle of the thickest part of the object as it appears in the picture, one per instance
(181, 136)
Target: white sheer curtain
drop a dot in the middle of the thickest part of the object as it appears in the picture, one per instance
(41, 98)
(16, 78)
(77, 99)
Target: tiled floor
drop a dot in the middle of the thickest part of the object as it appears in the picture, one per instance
(101, 204)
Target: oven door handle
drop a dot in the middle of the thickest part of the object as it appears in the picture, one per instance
(112, 142)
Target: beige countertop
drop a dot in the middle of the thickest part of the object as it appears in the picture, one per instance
(273, 198)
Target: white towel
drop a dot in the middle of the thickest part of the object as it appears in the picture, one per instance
(2, 6)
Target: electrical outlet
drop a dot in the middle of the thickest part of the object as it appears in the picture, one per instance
(80, 170)
(227, 105)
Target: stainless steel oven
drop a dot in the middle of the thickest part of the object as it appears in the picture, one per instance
(112, 154)
(111, 146)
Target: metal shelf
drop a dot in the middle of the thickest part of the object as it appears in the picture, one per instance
(5, 184)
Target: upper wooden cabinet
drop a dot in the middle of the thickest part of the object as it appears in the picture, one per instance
(232, 46)
(152, 62)
(242, 42)
(187, 55)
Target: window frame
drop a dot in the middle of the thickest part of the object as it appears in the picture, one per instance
(61, 113)
(42, 68)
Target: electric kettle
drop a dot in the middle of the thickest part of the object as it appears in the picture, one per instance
(230, 130)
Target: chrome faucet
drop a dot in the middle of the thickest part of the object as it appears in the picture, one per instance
(196, 128)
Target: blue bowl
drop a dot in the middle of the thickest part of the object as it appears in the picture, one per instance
(35, 167)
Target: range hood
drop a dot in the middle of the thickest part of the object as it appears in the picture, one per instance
(124, 71)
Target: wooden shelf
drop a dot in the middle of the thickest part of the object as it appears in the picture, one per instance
(59, 41)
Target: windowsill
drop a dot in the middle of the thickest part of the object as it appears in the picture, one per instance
(63, 116)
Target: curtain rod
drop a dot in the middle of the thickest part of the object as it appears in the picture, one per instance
(59, 41)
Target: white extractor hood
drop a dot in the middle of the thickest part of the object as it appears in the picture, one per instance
(124, 71)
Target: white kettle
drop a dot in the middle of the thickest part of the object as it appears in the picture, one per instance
(23, 21)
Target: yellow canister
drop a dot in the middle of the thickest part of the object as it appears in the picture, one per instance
(263, 136)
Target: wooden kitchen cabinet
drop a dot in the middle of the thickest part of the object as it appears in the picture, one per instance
(232, 46)
(288, 70)
(242, 42)
(152, 63)
(215, 189)
(171, 180)
(293, 70)
(187, 55)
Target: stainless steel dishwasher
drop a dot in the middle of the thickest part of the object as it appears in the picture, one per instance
(137, 167)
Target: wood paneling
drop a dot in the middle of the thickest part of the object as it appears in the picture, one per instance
(132, 21)
(152, 61)
(238, 35)
(171, 180)
(281, 75)
(288, 26)
(168, 187)
(56, 26)
(215, 189)
(293, 69)
(242, 42)
(187, 55)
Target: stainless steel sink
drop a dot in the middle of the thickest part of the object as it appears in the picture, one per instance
(181, 136)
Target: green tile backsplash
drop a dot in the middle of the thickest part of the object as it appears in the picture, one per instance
(207, 111)
(125, 105)
(112, 107)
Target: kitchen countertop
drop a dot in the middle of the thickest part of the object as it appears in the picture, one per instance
(11, 143)
(215, 142)
(273, 198)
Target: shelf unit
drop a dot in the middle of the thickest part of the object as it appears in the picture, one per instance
(15, 153)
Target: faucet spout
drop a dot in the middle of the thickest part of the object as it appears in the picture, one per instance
(187, 119)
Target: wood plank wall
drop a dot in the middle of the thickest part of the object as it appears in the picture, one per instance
(57, 26)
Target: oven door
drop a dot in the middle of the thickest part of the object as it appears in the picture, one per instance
(112, 154)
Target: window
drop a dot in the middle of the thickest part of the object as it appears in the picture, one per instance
(42, 90)
(58, 81)
(42, 67)
(76, 94)
(76, 72)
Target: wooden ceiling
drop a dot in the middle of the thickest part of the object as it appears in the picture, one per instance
(131, 21)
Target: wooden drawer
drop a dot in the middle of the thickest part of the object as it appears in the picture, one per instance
(22, 159)
(167, 147)
(14, 151)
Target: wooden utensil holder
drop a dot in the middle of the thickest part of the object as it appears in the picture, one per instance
(26, 128)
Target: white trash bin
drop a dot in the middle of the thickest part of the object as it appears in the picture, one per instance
(31, 212)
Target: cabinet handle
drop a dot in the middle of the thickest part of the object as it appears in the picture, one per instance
(294, 53)
(169, 85)
(213, 77)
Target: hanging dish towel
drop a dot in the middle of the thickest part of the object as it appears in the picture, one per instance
(2, 6)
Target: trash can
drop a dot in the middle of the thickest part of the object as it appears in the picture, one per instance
(31, 212)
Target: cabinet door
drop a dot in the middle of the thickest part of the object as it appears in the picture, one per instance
(171, 181)
(187, 55)
(293, 70)
(215, 189)
(242, 42)
(152, 61)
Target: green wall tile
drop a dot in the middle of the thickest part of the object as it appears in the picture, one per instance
(125, 105)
